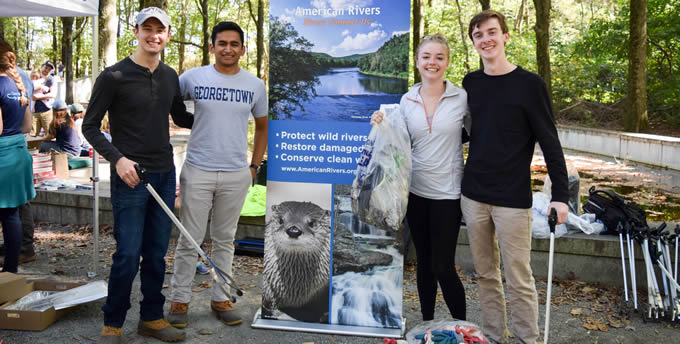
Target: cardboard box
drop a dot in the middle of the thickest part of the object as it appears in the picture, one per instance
(60, 165)
(34, 142)
(12, 287)
(33, 320)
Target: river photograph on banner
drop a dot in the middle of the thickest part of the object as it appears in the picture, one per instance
(337, 60)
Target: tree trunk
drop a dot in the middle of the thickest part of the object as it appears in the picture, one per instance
(518, 18)
(182, 33)
(260, 37)
(426, 26)
(418, 27)
(635, 118)
(486, 4)
(29, 33)
(2, 28)
(542, 29)
(55, 41)
(259, 23)
(156, 3)
(206, 34)
(67, 56)
(466, 62)
(108, 27)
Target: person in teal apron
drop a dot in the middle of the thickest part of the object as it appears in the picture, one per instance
(16, 164)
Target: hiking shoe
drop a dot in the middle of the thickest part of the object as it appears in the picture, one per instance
(224, 311)
(26, 258)
(202, 269)
(159, 329)
(111, 335)
(178, 314)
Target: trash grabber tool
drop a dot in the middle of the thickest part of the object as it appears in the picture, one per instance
(552, 221)
(219, 277)
(631, 259)
(666, 259)
(677, 236)
(651, 301)
(619, 229)
(655, 294)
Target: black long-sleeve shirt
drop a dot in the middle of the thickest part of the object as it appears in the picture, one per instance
(138, 102)
(510, 113)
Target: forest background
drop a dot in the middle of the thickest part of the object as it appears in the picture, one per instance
(608, 63)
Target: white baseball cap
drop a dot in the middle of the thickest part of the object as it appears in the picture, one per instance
(153, 12)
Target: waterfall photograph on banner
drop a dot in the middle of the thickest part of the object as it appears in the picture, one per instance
(337, 61)
(367, 277)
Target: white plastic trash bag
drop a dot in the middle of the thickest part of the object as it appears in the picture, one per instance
(539, 224)
(380, 187)
(585, 223)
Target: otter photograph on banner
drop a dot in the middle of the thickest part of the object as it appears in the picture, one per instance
(297, 258)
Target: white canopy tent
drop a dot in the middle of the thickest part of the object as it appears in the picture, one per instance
(68, 8)
(49, 8)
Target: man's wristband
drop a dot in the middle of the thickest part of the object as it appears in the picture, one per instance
(253, 166)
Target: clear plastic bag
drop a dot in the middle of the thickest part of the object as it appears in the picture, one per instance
(380, 188)
(63, 299)
(585, 223)
(539, 222)
(574, 182)
(461, 329)
(29, 299)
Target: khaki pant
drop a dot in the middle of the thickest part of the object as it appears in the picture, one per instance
(488, 226)
(41, 120)
(200, 191)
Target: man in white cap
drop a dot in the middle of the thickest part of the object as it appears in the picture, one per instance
(138, 92)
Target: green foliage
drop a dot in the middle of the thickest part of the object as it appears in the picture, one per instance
(390, 60)
(290, 84)
(588, 47)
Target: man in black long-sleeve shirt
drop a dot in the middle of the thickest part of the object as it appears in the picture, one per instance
(510, 110)
(139, 92)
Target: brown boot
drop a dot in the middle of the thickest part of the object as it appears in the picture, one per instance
(111, 335)
(160, 329)
(224, 311)
(26, 257)
(178, 314)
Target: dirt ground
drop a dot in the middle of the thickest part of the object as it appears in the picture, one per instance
(581, 312)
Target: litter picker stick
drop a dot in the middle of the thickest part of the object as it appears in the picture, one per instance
(216, 273)
(623, 260)
(677, 234)
(667, 274)
(631, 256)
(552, 221)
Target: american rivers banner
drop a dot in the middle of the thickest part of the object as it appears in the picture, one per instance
(332, 63)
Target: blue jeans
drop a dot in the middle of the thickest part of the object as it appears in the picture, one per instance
(141, 229)
(11, 233)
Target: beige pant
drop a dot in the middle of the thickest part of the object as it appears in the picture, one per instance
(41, 120)
(200, 191)
(488, 226)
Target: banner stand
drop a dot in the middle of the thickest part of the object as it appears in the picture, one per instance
(345, 330)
